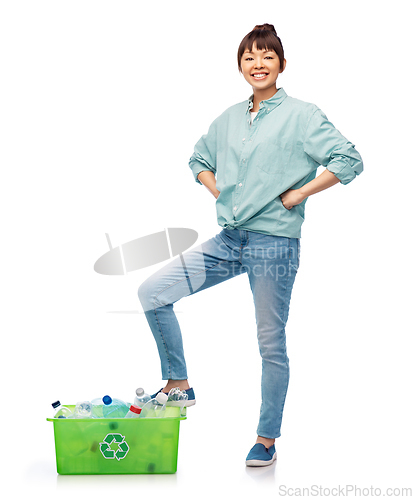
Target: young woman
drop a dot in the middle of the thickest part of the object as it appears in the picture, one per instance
(259, 160)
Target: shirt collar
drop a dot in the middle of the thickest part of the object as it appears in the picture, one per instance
(270, 103)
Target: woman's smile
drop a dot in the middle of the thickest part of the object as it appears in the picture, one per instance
(259, 76)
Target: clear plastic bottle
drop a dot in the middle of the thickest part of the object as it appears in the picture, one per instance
(176, 397)
(83, 410)
(97, 408)
(179, 398)
(114, 408)
(133, 412)
(155, 407)
(141, 397)
(61, 411)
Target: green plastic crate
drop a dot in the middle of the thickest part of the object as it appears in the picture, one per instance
(117, 445)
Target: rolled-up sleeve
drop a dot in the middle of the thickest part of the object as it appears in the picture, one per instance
(204, 156)
(328, 147)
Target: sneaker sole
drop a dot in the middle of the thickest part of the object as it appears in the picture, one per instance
(261, 463)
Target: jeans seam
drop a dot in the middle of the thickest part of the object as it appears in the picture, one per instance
(165, 346)
(287, 288)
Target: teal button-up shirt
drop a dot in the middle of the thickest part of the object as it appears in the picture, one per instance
(255, 163)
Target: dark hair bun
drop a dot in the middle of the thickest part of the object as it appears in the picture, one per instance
(266, 27)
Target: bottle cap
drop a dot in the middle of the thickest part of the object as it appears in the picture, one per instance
(161, 397)
(107, 400)
(56, 404)
(139, 391)
(135, 409)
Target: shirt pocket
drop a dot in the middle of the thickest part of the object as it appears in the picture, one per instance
(274, 158)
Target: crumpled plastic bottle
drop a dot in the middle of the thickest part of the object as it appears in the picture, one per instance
(83, 410)
(155, 408)
(176, 397)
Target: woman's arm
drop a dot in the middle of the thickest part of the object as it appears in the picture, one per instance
(328, 147)
(207, 178)
(295, 196)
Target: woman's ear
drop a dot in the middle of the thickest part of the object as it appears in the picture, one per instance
(284, 65)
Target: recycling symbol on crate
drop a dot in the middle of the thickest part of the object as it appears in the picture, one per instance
(119, 440)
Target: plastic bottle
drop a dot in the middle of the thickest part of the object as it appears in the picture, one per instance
(179, 398)
(61, 411)
(133, 412)
(97, 408)
(176, 397)
(83, 410)
(114, 408)
(155, 407)
(141, 397)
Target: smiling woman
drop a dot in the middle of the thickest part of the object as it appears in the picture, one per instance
(261, 68)
(260, 61)
(261, 172)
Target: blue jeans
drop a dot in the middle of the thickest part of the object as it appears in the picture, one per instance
(271, 263)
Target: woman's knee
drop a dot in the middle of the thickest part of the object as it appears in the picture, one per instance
(273, 347)
(145, 295)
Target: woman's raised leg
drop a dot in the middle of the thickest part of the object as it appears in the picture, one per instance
(212, 262)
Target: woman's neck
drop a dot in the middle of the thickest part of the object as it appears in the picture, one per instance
(262, 95)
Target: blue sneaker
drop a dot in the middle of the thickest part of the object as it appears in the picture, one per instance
(260, 456)
(189, 402)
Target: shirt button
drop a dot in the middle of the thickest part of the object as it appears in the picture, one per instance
(240, 184)
(243, 139)
(235, 208)
(243, 160)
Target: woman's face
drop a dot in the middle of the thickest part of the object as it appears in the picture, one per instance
(260, 68)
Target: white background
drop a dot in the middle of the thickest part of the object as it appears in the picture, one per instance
(101, 105)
